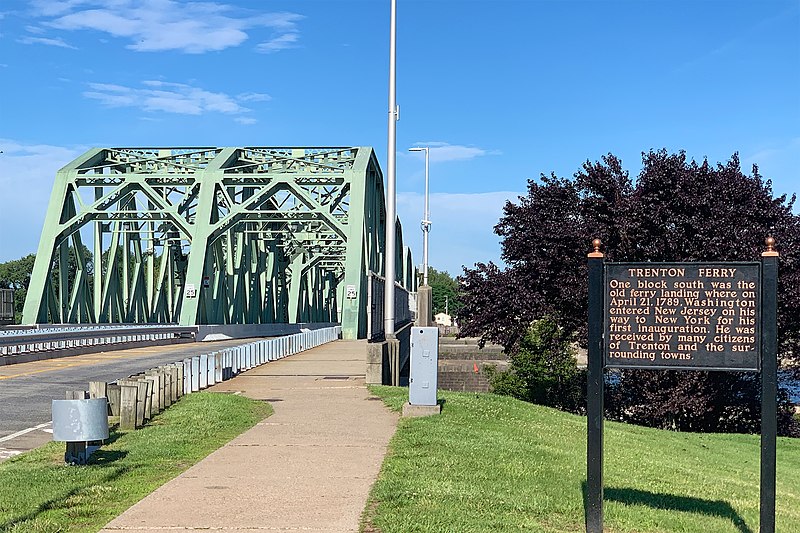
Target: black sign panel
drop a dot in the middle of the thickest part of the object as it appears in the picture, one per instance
(683, 315)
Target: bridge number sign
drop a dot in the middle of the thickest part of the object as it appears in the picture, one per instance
(682, 316)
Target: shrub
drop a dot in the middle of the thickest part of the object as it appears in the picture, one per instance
(543, 370)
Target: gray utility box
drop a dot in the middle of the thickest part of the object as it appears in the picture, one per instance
(424, 377)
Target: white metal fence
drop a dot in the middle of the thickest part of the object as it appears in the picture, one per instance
(205, 370)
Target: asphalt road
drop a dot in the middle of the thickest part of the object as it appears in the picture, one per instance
(27, 389)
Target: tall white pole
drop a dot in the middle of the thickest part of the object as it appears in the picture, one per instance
(426, 223)
(391, 207)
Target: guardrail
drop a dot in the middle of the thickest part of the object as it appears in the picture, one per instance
(15, 343)
(137, 398)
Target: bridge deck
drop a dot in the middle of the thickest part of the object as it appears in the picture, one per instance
(308, 467)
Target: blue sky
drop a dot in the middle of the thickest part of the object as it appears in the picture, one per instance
(502, 91)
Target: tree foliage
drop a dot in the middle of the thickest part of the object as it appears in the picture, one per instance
(543, 370)
(16, 274)
(446, 292)
(675, 210)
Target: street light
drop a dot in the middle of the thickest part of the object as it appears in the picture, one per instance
(426, 215)
(391, 194)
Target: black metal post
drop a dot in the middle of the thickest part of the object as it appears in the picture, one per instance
(594, 396)
(769, 384)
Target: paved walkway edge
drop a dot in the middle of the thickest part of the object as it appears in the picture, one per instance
(309, 467)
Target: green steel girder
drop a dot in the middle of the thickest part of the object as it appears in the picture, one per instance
(237, 235)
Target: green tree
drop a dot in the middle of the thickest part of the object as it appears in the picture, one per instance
(16, 274)
(446, 292)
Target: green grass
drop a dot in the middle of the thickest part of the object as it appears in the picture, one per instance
(492, 463)
(39, 494)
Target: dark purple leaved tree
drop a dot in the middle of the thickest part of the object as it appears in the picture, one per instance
(675, 210)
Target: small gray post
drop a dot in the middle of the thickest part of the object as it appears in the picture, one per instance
(195, 373)
(218, 367)
(203, 370)
(212, 369)
(187, 376)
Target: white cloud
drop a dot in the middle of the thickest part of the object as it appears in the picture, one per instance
(45, 40)
(253, 97)
(276, 44)
(56, 7)
(170, 97)
(461, 230)
(157, 25)
(27, 172)
(247, 121)
(442, 151)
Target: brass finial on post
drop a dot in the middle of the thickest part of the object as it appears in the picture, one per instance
(597, 243)
(770, 251)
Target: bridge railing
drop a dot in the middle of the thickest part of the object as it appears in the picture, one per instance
(403, 312)
(51, 338)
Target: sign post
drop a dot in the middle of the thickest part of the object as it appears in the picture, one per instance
(594, 393)
(682, 316)
(769, 384)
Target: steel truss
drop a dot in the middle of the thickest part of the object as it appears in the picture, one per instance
(214, 236)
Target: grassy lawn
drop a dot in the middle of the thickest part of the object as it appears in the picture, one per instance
(492, 463)
(39, 494)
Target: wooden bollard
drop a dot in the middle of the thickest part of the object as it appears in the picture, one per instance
(127, 406)
(179, 370)
(151, 389)
(141, 402)
(113, 392)
(97, 389)
(174, 381)
(158, 394)
(167, 384)
(167, 377)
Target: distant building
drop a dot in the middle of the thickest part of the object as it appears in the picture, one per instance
(443, 319)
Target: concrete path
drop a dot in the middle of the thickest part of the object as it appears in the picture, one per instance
(309, 467)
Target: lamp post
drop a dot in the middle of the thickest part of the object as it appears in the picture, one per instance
(426, 215)
(391, 198)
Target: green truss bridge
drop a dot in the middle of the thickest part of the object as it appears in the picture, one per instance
(235, 235)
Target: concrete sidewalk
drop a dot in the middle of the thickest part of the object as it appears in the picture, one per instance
(309, 467)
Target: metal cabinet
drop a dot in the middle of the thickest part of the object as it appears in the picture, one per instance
(424, 376)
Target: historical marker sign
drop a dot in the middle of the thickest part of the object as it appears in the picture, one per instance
(682, 315)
